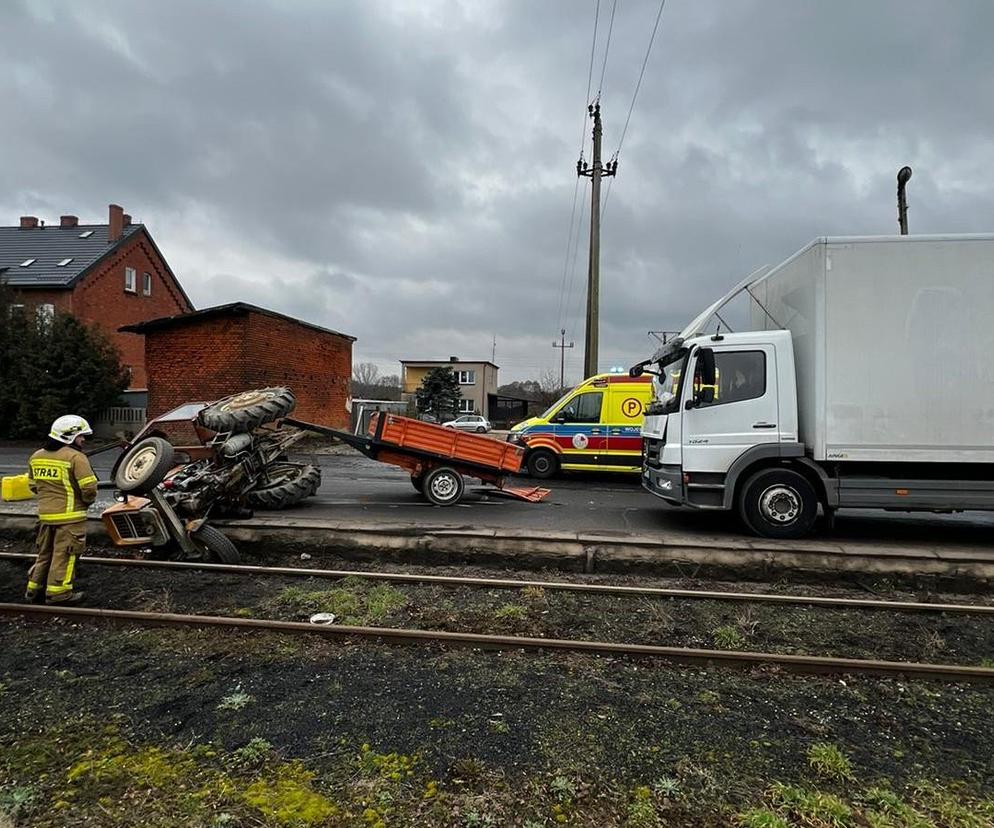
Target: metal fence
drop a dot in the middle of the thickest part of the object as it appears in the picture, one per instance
(119, 419)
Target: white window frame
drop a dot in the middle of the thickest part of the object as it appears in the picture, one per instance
(130, 280)
(466, 406)
(147, 284)
(466, 377)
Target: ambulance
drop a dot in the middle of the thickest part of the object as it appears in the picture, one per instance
(593, 427)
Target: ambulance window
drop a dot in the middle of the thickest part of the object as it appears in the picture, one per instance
(583, 408)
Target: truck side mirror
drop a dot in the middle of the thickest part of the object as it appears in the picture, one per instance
(705, 367)
(636, 371)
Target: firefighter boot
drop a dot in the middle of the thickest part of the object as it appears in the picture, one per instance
(66, 599)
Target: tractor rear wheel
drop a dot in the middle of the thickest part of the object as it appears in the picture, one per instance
(288, 485)
(244, 412)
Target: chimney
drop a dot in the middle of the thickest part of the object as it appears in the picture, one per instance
(127, 220)
(28, 222)
(116, 223)
(68, 221)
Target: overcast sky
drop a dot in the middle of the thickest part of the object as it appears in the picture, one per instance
(405, 172)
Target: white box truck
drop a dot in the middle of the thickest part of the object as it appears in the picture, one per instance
(866, 381)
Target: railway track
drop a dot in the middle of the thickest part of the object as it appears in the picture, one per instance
(552, 586)
(680, 655)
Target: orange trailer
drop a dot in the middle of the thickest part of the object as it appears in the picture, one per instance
(437, 458)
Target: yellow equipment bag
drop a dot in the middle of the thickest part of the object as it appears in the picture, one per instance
(15, 488)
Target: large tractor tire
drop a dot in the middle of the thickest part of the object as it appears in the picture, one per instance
(288, 485)
(245, 412)
(144, 466)
(215, 545)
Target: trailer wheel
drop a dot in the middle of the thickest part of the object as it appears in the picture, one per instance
(443, 486)
(542, 463)
(145, 466)
(289, 484)
(241, 413)
(778, 503)
(216, 545)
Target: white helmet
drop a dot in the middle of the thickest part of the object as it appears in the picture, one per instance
(68, 427)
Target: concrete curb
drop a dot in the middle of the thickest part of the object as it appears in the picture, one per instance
(591, 552)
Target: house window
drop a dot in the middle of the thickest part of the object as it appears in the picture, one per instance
(147, 284)
(130, 280)
(466, 377)
(465, 406)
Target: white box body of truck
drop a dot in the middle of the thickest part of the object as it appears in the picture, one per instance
(866, 380)
(893, 346)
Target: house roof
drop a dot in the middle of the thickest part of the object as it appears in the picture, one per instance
(232, 309)
(448, 362)
(48, 246)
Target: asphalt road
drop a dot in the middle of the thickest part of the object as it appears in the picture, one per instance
(356, 488)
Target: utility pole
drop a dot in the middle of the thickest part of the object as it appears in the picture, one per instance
(595, 173)
(562, 346)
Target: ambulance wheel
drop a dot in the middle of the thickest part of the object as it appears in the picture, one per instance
(778, 503)
(443, 486)
(542, 464)
(145, 466)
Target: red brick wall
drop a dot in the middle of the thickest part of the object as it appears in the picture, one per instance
(211, 358)
(100, 298)
(61, 299)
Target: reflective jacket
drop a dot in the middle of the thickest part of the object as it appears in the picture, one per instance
(64, 482)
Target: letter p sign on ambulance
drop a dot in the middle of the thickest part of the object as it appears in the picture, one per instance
(631, 407)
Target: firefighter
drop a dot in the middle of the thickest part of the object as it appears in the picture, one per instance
(63, 479)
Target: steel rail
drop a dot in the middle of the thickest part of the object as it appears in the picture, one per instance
(561, 586)
(680, 655)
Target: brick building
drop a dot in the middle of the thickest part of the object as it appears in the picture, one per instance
(110, 275)
(219, 351)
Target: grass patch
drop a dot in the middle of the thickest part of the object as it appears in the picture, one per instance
(830, 762)
(728, 638)
(355, 601)
(237, 700)
(511, 612)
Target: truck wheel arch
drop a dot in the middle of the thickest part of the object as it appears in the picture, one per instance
(790, 455)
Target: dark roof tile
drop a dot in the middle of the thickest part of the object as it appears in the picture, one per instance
(50, 245)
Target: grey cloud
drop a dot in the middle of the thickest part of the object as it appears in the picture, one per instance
(404, 171)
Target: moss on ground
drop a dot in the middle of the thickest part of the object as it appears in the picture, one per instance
(92, 774)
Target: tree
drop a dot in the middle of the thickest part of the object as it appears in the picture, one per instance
(439, 394)
(52, 365)
(367, 384)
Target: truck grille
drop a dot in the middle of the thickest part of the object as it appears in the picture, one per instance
(130, 526)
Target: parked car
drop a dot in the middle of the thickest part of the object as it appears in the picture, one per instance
(470, 422)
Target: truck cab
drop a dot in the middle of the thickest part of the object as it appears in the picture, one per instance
(724, 409)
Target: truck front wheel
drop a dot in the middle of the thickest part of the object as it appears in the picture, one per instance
(778, 503)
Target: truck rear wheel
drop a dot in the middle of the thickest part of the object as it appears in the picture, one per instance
(778, 503)
(443, 486)
(542, 464)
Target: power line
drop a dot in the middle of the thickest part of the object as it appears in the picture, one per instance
(576, 186)
(607, 48)
(638, 85)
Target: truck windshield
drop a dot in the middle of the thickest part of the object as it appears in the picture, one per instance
(666, 387)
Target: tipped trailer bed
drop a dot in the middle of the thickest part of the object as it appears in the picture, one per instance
(437, 458)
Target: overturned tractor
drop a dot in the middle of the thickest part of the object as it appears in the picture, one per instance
(202, 460)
